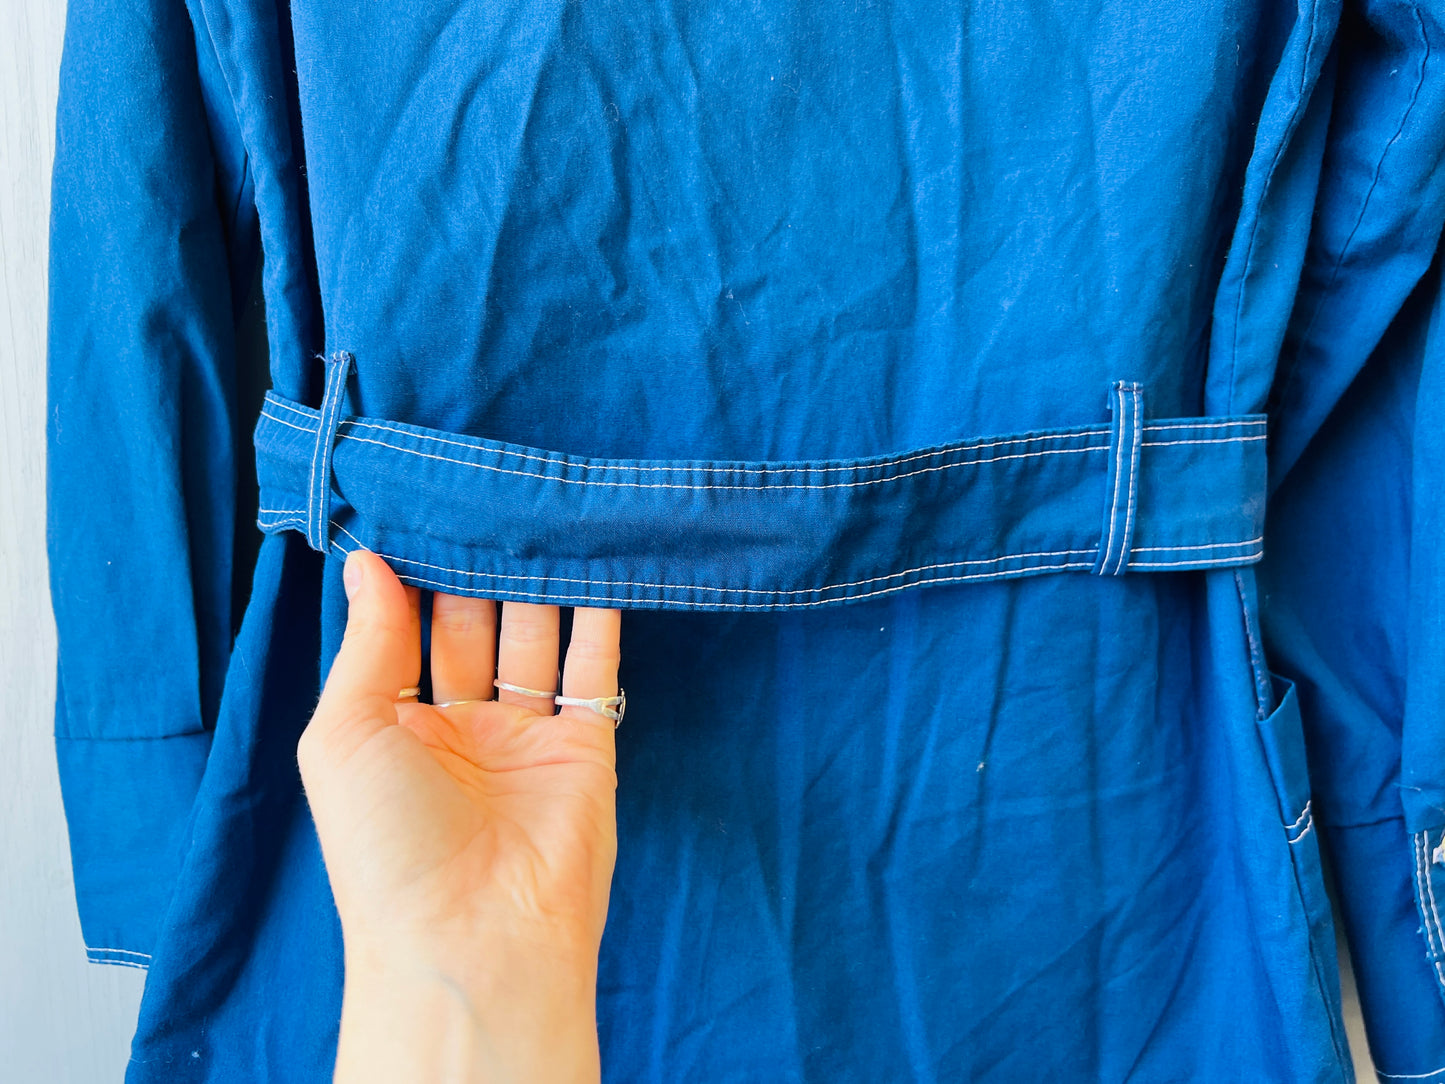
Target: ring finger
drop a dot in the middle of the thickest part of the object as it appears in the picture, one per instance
(592, 658)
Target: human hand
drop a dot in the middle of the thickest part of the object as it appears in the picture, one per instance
(470, 848)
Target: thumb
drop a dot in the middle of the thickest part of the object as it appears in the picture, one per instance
(379, 656)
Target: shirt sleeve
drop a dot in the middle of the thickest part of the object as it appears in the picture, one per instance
(141, 472)
(1353, 579)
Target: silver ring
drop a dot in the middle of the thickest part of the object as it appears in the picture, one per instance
(523, 691)
(611, 706)
(410, 690)
(454, 703)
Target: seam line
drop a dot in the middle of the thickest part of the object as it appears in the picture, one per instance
(720, 488)
(857, 468)
(1409, 1076)
(1132, 495)
(1116, 462)
(1304, 815)
(128, 952)
(310, 413)
(1200, 562)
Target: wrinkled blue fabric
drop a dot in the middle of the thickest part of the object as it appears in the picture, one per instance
(1014, 432)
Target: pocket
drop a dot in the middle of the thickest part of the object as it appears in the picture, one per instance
(1429, 858)
(1281, 734)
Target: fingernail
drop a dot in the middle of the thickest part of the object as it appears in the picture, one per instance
(351, 574)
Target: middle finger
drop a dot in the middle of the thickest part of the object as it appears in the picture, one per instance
(463, 647)
(527, 654)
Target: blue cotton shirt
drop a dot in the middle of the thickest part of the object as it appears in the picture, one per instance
(1013, 430)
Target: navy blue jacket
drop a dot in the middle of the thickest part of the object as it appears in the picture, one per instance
(1015, 431)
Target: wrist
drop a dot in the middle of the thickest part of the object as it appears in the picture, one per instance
(498, 1014)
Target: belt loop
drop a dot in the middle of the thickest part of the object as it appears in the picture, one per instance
(1125, 432)
(318, 505)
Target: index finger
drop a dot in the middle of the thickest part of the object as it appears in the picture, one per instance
(380, 653)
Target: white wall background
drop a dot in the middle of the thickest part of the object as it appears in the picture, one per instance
(62, 1020)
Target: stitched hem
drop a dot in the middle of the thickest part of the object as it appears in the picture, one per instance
(1438, 1074)
(510, 586)
(1425, 901)
(1253, 430)
(127, 808)
(119, 957)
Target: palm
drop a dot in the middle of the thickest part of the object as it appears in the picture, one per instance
(483, 811)
(514, 815)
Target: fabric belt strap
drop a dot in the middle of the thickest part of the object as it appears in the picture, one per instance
(469, 516)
